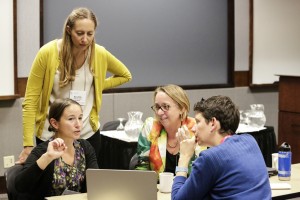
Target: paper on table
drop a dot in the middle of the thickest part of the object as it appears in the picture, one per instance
(280, 186)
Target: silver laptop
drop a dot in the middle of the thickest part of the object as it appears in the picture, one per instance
(109, 184)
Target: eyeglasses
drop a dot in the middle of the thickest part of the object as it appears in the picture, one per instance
(163, 107)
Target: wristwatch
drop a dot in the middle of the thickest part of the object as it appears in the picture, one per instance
(181, 169)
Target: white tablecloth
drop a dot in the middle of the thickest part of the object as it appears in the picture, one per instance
(120, 135)
(243, 128)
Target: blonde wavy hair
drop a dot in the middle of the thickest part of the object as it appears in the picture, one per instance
(66, 67)
(178, 95)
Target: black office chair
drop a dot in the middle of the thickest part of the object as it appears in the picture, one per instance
(112, 125)
(10, 175)
(133, 161)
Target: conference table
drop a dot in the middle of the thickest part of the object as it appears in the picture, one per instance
(278, 194)
(83, 196)
(294, 183)
(117, 148)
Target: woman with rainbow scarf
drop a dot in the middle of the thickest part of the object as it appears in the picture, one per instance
(158, 146)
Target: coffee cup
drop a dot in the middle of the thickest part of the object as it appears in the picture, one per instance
(166, 182)
(275, 161)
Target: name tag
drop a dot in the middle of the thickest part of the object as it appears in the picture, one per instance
(79, 96)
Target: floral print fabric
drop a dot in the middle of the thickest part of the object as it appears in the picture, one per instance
(69, 177)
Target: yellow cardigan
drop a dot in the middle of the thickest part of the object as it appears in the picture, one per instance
(40, 83)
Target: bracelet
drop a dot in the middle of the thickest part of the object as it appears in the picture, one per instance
(181, 169)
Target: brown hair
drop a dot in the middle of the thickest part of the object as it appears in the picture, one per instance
(57, 109)
(223, 109)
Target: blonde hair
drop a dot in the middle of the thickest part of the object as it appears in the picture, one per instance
(66, 67)
(177, 94)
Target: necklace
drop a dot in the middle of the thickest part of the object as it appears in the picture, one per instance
(172, 146)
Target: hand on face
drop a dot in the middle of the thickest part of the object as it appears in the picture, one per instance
(187, 142)
(56, 148)
(183, 133)
(187, 147)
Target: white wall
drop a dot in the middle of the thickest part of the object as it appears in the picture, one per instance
(6, 48)
(28, 20)
(276, 43)
(241, 37)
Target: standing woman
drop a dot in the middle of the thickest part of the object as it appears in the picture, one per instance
(158, 146)
(60, 163)
(72, 67)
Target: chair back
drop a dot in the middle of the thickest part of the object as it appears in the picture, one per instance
(10, 176)
(133, 161)
(112, 125)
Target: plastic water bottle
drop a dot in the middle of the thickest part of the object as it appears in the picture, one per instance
(284, 162)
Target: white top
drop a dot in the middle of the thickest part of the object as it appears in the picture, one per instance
(83, 82)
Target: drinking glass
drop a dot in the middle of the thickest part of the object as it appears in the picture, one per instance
(121, 126)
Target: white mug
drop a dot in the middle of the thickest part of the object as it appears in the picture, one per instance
(166, 182)
(275, 161)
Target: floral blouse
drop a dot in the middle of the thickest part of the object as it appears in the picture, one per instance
(69, 177)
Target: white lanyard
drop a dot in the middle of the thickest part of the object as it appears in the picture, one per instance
(79, 95)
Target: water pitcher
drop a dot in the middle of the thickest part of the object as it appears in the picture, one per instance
(134, 124)
(257, 116)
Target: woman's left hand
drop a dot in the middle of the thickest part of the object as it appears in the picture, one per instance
(56, 148)
(187, 143)
(187, 147)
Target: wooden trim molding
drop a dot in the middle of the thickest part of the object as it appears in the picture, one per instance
(10, 97)
(241, 78)
(22, 82)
